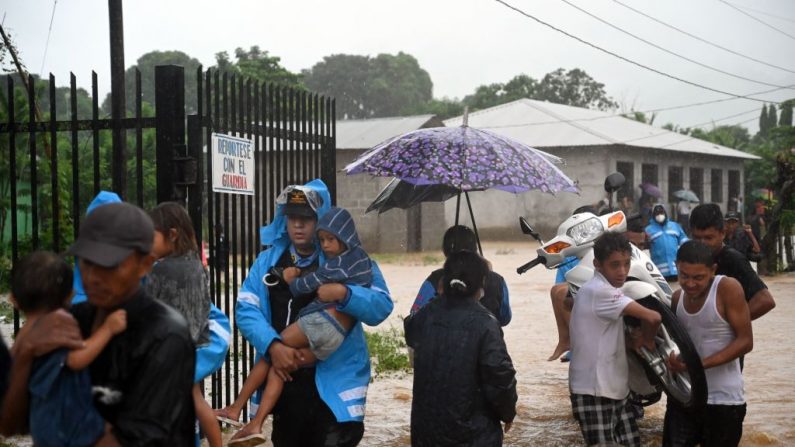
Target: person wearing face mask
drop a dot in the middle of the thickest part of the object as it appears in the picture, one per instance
(664, 238)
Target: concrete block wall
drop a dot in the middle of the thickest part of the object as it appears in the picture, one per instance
(387, 232)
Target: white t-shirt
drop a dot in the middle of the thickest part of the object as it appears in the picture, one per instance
(598, 354)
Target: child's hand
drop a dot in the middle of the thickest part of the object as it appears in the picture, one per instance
(290, 273)
(117, 321)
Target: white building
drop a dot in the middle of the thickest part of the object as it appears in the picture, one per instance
(595, 143)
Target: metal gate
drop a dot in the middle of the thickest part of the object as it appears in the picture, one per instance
(51, 167)
(293, 139)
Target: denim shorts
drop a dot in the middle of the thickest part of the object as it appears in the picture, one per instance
(324, 333)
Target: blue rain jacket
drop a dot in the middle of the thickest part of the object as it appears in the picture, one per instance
(342, 379)
(103, 198)
(665, 240)
(210, 357)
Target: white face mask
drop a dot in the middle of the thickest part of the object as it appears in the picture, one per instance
(660, 218)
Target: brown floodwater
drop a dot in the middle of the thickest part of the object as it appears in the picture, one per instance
(544, 412)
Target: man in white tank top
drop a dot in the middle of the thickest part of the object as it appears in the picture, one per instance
(713, 311)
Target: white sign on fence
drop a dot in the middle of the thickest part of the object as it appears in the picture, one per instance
(233, 164)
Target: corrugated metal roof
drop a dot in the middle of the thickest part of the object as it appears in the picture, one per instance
(364, 134)
(543, 124)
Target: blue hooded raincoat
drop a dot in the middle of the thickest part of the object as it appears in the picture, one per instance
(342, 379)
(664, 241)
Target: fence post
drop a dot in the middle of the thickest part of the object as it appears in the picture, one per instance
(170, 125)
(195, 197)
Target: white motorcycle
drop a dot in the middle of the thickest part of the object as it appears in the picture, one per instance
(648, 370)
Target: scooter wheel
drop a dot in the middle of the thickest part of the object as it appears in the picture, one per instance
(688, 388)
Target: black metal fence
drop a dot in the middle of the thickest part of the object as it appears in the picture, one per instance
(293, 135)
(52, 166)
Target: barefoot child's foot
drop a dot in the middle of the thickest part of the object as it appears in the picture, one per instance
(229, 416)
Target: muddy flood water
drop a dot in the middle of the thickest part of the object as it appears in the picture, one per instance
(544, 412)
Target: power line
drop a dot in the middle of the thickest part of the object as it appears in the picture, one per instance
(700, 39)
(756, 19)
(660, 109)
(673, 53)
(47, 45)
(626, 59)
(764, 13)
(754, 110)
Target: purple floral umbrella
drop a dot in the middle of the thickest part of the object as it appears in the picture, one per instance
(465, 158)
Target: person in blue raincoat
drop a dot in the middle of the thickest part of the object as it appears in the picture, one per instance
(665, 237)
(323, 405)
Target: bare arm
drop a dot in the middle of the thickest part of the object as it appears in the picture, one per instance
(80, 358)
(755, 247)
(761, 303)
(650, 321)
(735, 311)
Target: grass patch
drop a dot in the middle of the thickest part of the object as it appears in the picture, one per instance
(388, 351)
(6, 313)
(409, 258)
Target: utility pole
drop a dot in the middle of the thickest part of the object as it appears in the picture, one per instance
(118, 98)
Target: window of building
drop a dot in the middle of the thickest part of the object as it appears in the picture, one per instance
(648, 174)
(674, 182)
(627, 168)
(697, 182)
(717, 186)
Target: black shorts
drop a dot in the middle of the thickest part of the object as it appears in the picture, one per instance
(605, 421)
(715, 426)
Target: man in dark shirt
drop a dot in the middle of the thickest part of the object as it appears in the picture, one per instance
(707, 226)
(741, 239)
(142, 380)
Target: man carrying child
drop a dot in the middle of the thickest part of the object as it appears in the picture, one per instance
(142, 379)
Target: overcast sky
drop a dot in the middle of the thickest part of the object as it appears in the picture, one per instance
(461, 43)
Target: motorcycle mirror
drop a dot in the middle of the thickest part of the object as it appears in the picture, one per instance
(527, 229)
(614, 182)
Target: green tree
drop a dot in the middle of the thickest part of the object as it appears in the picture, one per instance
(257, 65)
(146, 65)
(733, 136)
(520, 86)
(785, 119)
(575, 88)
(763, 123)
(443, 108)
(772, 119)
(642, 118)
(368, 87)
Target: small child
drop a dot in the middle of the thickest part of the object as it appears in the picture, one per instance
(599, 373)
(320, 328)
(179, 280)
(61, 408)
